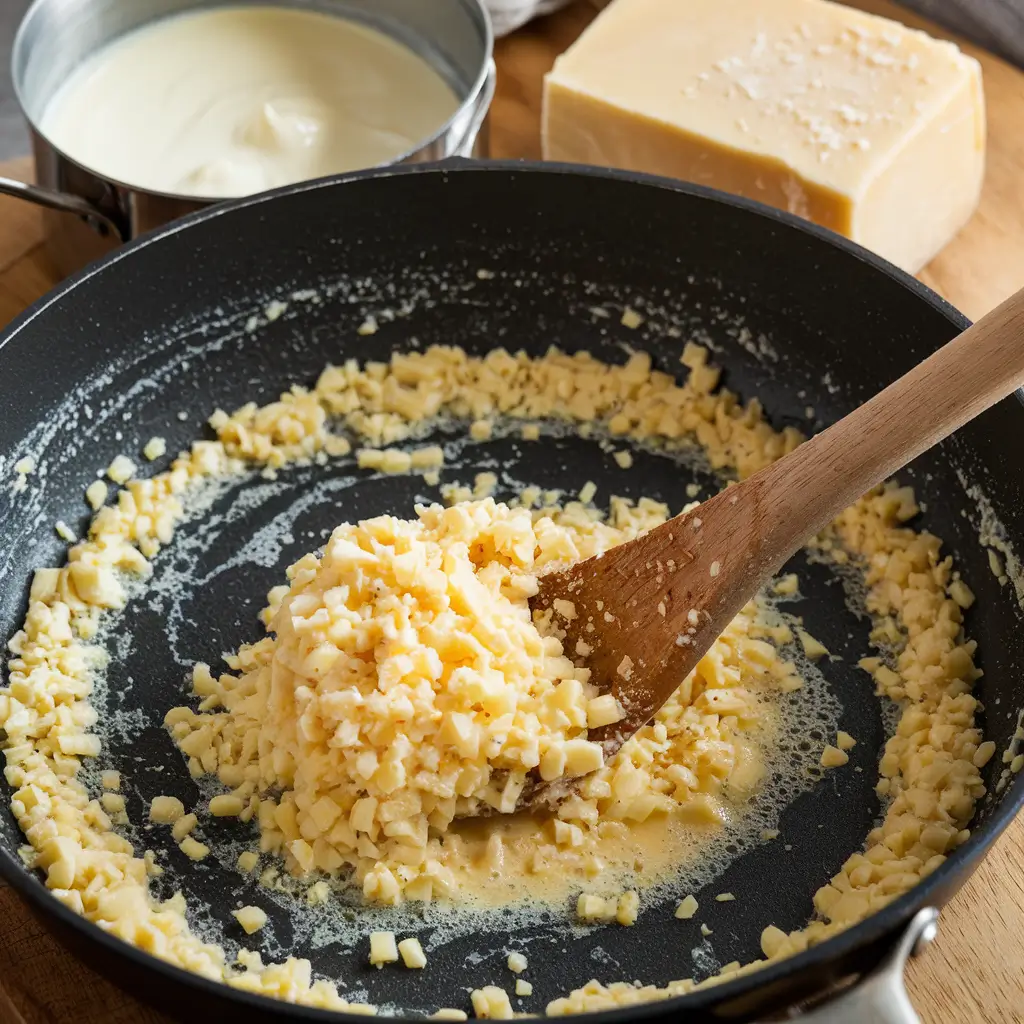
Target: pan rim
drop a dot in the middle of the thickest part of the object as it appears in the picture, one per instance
(869, 932)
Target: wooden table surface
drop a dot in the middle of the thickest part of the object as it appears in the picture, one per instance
(975, 970)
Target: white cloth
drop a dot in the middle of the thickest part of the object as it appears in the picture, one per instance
(510, 14)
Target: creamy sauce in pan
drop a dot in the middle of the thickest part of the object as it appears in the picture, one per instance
(228, 102)
(622, 856)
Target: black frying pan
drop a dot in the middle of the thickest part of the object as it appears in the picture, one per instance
(112, 357)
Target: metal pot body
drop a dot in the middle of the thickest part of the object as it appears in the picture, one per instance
(87, 214)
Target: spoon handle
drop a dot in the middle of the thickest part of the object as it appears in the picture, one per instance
(806, 490)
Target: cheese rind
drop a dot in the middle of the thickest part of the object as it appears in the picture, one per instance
(853, 121)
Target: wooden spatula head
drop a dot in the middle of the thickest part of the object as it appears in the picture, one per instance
(641, 616)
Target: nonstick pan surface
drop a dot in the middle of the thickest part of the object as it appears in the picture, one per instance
(153, 339)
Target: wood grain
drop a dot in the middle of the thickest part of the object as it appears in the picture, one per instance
(973, 973)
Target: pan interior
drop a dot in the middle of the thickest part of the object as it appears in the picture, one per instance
(146, 378)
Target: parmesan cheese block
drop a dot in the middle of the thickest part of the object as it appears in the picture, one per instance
(856, 122)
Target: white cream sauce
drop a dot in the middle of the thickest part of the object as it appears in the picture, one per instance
(231, 101)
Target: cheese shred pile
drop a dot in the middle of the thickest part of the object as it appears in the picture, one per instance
(405, 684)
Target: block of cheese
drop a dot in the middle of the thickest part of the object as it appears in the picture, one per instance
(856, 122)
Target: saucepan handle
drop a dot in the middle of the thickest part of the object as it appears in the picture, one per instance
(880, 997)
(63, 201)
(477, 122)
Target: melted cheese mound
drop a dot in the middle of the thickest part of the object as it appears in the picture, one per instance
(405, 684)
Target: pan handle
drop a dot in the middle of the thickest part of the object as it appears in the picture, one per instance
(880, 997)
(477, 124)
(64, 202)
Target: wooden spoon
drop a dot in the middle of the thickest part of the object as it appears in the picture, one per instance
(704, 566)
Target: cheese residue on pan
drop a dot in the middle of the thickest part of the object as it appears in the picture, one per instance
(931, 767)
(330, 613)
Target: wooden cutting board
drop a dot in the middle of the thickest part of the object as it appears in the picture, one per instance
(975, 971)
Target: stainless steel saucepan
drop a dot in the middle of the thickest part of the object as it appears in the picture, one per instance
(88, 213)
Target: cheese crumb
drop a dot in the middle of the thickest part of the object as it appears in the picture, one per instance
(383, 949)
(773, 941)
(447, 1013)
(516, 963)
(412, 953)
(595, 908)
(603, 710)
(65, 532)
(484, 485)
(387, 460)
(112, 803)
(984, 753)
(996, 565)
(96, 494)
(687, 908)
(183, 826)
(833, 757)
(252, 919)
(431, 457)
(318, 893)
(110, 779)
(165, 810)
(624, 459)
(627, 909)
(193, 849)
(786, 585)
(725, 897)
(227, 805)
(631, 318)
(523, 988)
(121, 469)
(814, 649)
(844, 741)
(961, 593)
(156, 447)
(491, 1003)
(247, 861)
(481, 430)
